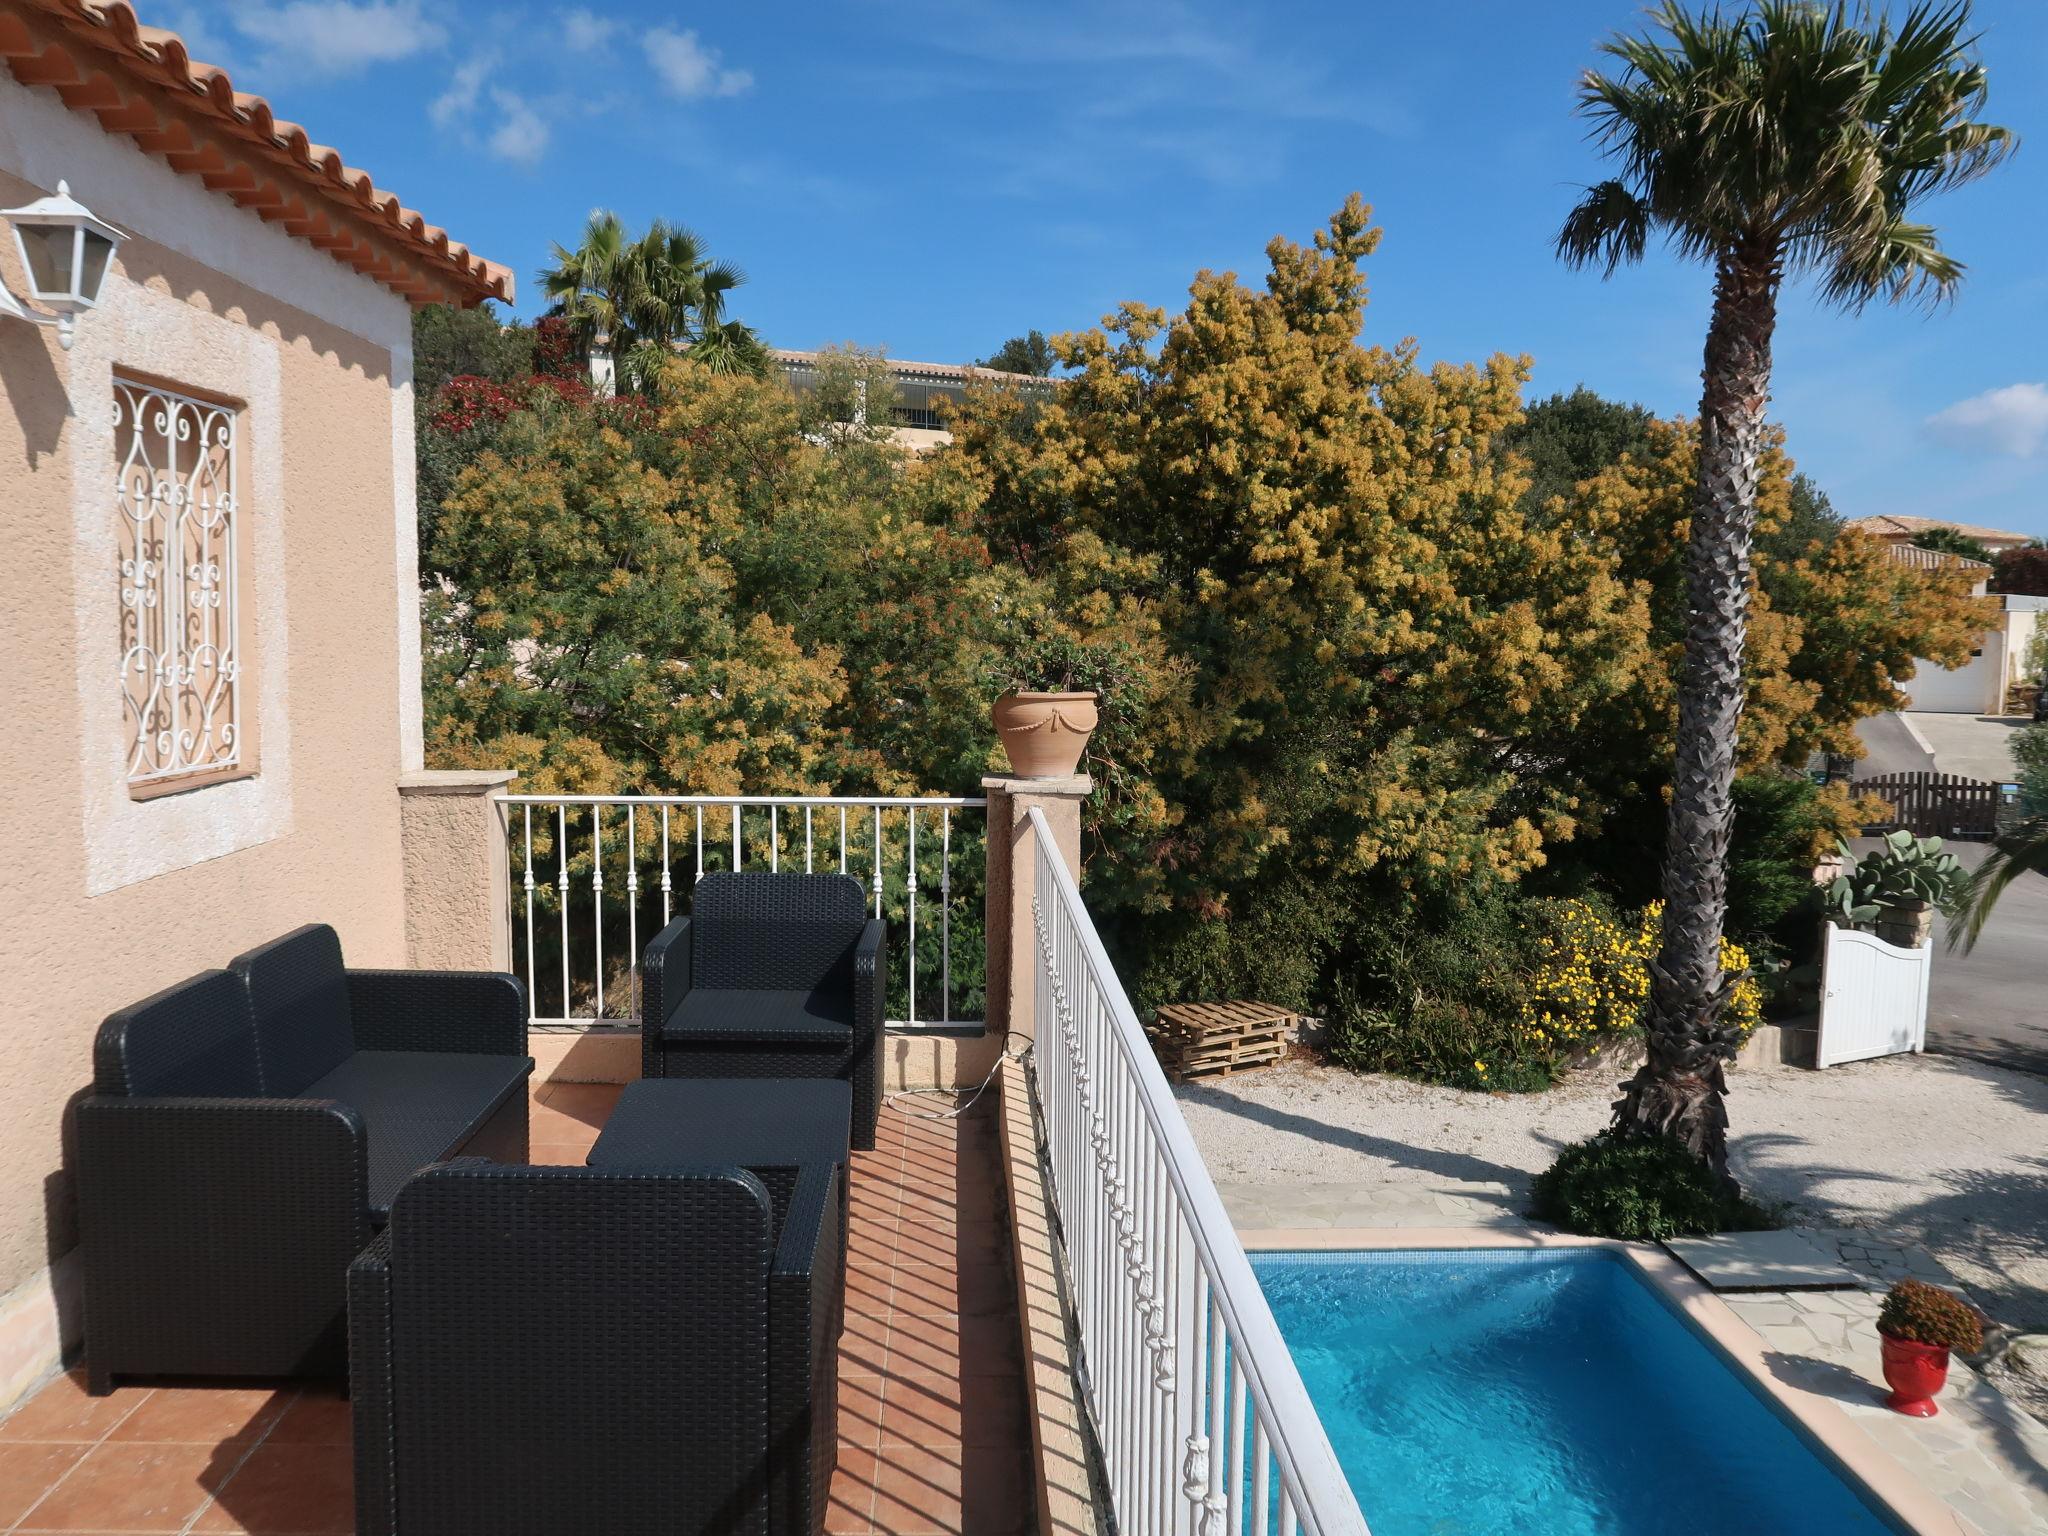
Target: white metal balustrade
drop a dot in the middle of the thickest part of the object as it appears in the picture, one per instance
(595, 876)
(1205, 1427)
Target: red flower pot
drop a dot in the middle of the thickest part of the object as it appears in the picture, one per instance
(1914, 1372)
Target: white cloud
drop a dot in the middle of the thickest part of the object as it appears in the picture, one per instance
(2012, 420)
(336, 37)
(689, 69)
(522, 135)
(585, 30)
(465, 90)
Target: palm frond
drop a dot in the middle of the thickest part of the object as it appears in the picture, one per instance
(1610, 225)
(2020, 851)
(1805, 129)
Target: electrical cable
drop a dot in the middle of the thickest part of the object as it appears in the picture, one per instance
(960, 1109)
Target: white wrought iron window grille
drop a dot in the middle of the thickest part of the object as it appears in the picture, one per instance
(177, 520)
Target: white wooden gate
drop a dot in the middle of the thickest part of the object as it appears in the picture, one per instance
(1873, 999)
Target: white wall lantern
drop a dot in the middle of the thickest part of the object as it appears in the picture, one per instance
(65, 250)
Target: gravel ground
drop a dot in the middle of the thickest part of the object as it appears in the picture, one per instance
(1935, 1150)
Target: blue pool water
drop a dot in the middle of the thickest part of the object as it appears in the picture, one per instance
(1518, 1393)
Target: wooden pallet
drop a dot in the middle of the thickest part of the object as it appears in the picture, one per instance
(1216, 1039)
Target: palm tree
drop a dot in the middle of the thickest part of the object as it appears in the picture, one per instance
(2022, 849)
(640, 300)
(1793, 138)
(593, 285)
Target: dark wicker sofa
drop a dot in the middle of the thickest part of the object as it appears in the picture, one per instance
(542, 1350)
(246, 1132)
(771, 975)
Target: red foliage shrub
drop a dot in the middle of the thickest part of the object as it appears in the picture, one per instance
(2022, 570)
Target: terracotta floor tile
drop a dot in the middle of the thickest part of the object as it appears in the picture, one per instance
(918, 1491)
(62, 1411)
(850, 1504)
(919, 1290)
(867, 1292)
(590, 1101)
(860, 1411)
(287, 1490)
(318, 1416)
(140, 1488)
(203, 1415)
(862, 1355)
(570, 1153)
(920, 1410)
(27, 1471)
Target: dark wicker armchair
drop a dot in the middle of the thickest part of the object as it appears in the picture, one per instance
(244, 1138)
(542, 1350)
(771, 975)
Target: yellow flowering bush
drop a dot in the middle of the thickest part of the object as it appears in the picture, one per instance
(1592, 979)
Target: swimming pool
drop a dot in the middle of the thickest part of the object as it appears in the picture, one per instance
(1525, 1392)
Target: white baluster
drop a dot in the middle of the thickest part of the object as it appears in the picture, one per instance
(946, 915)
(532, 978)
(667, 874)
(632, 913)
(878, 861)
(562, 856)
(910, 898)
(597, 897)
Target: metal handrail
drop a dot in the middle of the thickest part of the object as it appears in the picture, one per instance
(885, 802)
(643, 862)
(1313, 1487)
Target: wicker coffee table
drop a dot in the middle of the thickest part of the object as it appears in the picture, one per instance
(770, 1126)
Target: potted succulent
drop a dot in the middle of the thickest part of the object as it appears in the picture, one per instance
(1918, 1325)
(1048, 688)
(1896, 888)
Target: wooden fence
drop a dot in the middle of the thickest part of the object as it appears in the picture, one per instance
(1935, 804)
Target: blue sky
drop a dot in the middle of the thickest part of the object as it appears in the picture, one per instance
(932, 178)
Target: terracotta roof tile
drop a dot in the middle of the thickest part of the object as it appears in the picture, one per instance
(142, 81)
(1893, 525)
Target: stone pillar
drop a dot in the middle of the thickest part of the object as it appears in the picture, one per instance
(1012, 879)
(458, 870)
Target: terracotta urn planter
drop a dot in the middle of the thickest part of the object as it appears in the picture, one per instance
(1914, 1372)
(1044, 734)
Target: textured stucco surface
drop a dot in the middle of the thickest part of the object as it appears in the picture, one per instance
(457, 874)
(316, 835)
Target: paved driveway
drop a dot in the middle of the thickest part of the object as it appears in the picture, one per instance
(1888, 747)
(1975, 746)
(1992, 1004)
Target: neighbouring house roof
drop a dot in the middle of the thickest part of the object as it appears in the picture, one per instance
(952, 373)
(1893, 525)
(1931, 559)
(140, 81)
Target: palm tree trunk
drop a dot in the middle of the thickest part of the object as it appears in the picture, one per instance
(1680, 1090)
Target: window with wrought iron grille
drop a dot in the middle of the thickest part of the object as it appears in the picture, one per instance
(178, 525)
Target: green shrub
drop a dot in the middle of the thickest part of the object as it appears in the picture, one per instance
(1275, 947)
(2030, 755)
(1640, 1188)
(1434, 991)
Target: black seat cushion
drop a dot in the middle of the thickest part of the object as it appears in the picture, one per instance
(298, 992)
(194, 1038)
(726, 1015)
(418, 1107)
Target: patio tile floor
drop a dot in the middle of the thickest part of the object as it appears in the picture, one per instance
(932, 1435)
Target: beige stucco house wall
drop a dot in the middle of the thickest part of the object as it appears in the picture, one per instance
(108, 897)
